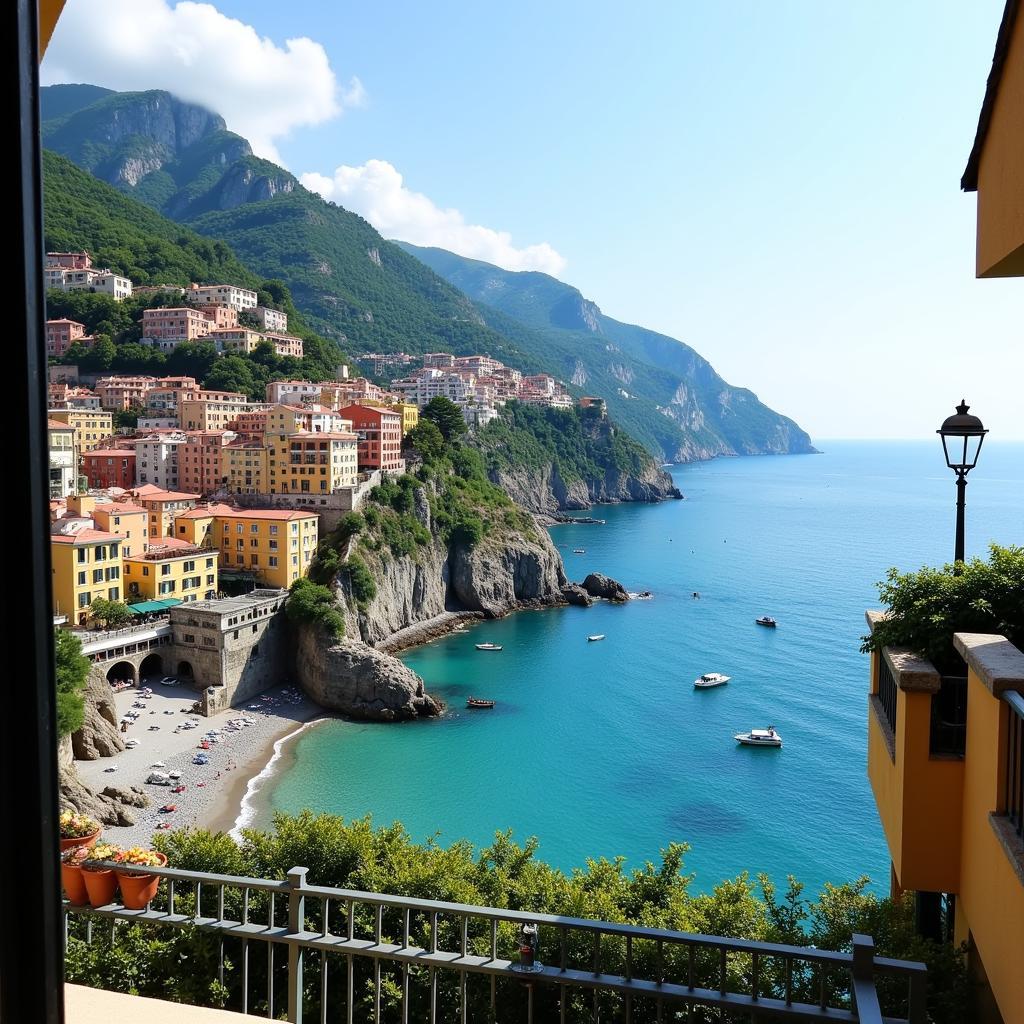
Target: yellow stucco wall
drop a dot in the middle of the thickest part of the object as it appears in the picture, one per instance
(49, 12)
(1001, 172)
(991, 893)
(145, 579)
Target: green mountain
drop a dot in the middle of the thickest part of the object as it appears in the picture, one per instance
(636, 370)
(373, 295)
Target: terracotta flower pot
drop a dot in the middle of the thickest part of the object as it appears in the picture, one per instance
(100, 885)
(74, 884)
(89, 840)
(138, 890)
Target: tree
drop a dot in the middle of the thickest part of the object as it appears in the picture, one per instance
(109, 613)
(232, 373)
(445, 414)
(428, 440)
(72, 671)
(192, 359)
(312, 603)
(100, 356)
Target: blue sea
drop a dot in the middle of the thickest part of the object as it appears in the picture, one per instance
(605, 749)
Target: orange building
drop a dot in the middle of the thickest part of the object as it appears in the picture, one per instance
(200, 460)
(109, 467)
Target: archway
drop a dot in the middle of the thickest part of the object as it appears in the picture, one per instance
(152, 667)
(185, 672)
(121, 672)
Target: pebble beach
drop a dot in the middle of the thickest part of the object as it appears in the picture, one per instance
(213, 792)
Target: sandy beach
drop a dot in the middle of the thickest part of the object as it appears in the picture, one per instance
(213, 792)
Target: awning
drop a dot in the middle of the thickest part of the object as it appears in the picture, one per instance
(149, 607)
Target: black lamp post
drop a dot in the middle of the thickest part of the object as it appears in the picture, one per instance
(962, 436)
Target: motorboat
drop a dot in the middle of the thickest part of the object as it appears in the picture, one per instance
(766, 620)
(760, 737)
(579, 551)
(488, 647)
(476, 702)
(710, 679)
(596, 636)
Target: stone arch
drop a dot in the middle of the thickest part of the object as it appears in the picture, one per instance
(121, 670)
(185, 673)
(152, 665)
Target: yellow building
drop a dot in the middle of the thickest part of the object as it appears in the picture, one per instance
(171, 568)
(244, 465)
(946, 764)
(122, 519)
(161, 507)
(92, 426)
(275, 544)
(211, 410)
(995, 169)
(312, 463)
(410, 415)
(86, 566)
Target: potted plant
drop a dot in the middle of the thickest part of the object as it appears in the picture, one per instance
(77, 829)
(138, 888)
(71, 879)
(100, 882)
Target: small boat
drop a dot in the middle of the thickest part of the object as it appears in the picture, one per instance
(476, 702)
(766, 620)
(709, 679)
(596, 636)
(488, 647)
(760, 737)
(579, 551)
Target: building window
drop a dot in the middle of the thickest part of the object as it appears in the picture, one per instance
(273, 561)
(189, 638)
(81, 579)
(97, 575)
(83, 555)
(83, 599)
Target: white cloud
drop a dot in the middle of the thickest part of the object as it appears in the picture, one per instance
(377, 192)
(262, 89)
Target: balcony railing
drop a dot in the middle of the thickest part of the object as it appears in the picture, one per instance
(1015, 763)
(948, 733)
(887, 693)
(336, 954)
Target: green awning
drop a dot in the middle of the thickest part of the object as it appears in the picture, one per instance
(148, 607)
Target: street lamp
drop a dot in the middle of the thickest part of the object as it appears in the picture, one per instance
(962, 436)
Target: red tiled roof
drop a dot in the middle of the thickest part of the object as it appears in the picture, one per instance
(85, 536)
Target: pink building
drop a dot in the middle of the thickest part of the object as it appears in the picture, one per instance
(62, 334)
(285, 344)
(177, 323)
(220, 313)
(380, 437)
(109, 467)
(120, 393)
(69, 260)
(200, 466)
(250, 425)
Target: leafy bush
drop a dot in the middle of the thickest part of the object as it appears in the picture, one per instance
(925, 608)
(363, 587)
(313, 604)
(72, 671)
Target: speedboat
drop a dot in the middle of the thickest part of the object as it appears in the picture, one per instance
(709, 679)
(596, 636)
(476, 702)
(579, 551)
(766, 620)
(488, 647)
(760, 737)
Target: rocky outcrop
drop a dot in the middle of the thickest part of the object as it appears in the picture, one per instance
(543, 491)
(100, 735)
(599, 585)
(111, 806)
(573, 593)
(349, 677)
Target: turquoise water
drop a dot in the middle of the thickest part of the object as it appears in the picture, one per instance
(602, 749)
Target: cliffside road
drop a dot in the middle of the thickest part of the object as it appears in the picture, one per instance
(217, 801)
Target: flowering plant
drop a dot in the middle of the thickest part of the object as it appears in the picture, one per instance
(76, 855)
(75, 826)
(101, 851)
(139, 856)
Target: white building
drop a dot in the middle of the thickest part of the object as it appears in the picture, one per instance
(229, 294)
(293, 392)
(156, 459)
(88, 279)
(63, 459)
(271, 319)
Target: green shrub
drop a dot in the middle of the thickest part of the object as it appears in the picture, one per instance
(72, 670)
(361, 582)
(313, 604)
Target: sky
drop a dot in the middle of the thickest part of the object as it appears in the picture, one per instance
(774, 183)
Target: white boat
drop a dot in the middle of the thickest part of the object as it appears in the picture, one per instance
(709, 679)
(760, 737)
(488, 647)
(579, 551)
(596, 636)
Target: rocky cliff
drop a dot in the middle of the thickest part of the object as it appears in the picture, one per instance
(99, 735)
(543, 491)
(354, 679)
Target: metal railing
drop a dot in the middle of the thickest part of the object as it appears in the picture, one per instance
(887, 694)
(1015, 763)
(337, 954)
(948, 731)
